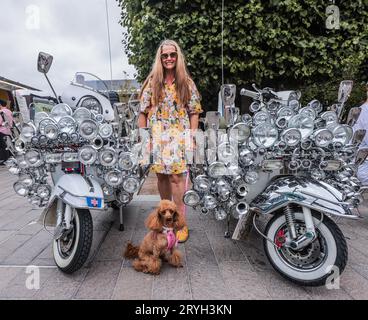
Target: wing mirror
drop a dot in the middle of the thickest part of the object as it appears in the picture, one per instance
(358, 136)
(353, 116)
(44, 62)
(361, 156)
(344, 90)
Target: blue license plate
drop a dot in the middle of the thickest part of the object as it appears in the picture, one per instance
(94, 202)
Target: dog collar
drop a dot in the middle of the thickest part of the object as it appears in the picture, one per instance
(171, 238)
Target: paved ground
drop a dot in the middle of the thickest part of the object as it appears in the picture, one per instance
(215, 268)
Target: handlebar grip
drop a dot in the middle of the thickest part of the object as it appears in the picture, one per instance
(248, 93)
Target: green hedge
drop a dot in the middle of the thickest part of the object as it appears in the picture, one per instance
(278, 43)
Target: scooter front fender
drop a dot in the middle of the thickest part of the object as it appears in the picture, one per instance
(76, 191)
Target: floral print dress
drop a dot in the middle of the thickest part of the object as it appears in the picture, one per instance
(169, 122)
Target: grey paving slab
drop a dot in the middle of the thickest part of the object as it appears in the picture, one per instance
(5, 234)
(31, 249)
(242, 281)
(226, 249)
(100, 280)
(354, 284)
(12, 244)
(133, 285)
(171, 284)
(113, 246)
(281, 289)
(61, 291)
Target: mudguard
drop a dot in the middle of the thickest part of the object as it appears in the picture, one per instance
(76, 191)
(306, 192)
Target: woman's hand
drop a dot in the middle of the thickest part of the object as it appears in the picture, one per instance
(142, 120)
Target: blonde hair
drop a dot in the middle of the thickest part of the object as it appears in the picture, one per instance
(157, 76)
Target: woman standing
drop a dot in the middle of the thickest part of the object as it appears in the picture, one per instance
(170, 103)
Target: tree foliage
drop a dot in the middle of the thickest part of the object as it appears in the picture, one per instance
(283, 44)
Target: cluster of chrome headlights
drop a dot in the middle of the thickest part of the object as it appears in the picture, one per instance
(64, 136)
(278, 138)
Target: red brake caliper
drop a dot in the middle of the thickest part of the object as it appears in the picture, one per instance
(280, 238)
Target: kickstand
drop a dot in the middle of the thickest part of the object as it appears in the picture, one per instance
(121, 226)
(227, 232)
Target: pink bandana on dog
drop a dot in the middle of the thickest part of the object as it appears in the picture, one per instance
(171, 238)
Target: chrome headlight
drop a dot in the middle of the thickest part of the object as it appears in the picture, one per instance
(217, 169)
(318, 175)
(87, 155)
(342, 134)
(70, 157)
(51, 131)
(45, 122)
(254, 106)
(44, 191)
(124, 197)
(323, 137)
(330, 165)
(131, 184)
(92, 104)
(291, 136)
(191, 198)
(38, 117)
(53, 157)
(226, 153)
(105, 130)
(209, 202)
(246, 156)
(220, 214)
(20, 189)
(223, 188)
(302, 122)
(21, 162)
(107, 190)
(265, 135)
(329, 116)
(33, 158)
(285, 112)
(26, 179)
(60, 110)
(67, 124)
(251, 177)
(240, 132)
(28, 131)
(20, 145)
(81, 114)
(316, 105)
(127, 160)
(88, 129)
(309, 112)
(113, 178)
(272, 164)
(201, 184)
(261, 117)
(108, 157)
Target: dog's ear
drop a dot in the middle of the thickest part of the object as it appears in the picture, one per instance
(179, 220)
(153, 221)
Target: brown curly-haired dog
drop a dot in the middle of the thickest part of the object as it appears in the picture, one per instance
(160, 242)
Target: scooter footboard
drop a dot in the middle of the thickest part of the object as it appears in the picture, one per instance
(304, 192)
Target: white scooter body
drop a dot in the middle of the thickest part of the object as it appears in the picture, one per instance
(75, 92)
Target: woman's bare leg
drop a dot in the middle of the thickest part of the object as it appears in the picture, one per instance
(164, 187)
(177, 182)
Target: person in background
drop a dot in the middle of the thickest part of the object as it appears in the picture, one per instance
(6, 122)
(362, 123)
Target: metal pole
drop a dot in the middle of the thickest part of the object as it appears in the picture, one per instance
(109, 41)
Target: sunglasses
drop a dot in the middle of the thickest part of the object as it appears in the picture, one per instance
(172, 55)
